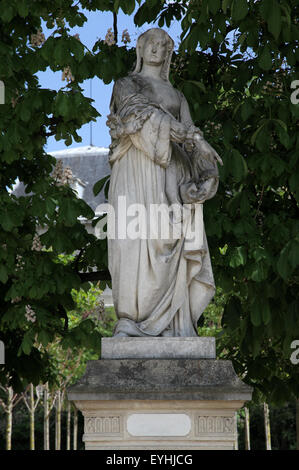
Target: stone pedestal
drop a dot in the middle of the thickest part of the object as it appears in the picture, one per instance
(175, 396)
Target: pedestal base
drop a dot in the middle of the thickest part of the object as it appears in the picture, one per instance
(153, 404)
(159, 424)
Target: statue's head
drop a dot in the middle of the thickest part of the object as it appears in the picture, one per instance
(154, 46)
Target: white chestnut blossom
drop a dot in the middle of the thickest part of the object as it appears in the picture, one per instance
(30, 314)
(62, 175)
(20, 263)
(37, 39)
(36, 243)
(109, 38)
(125, 37)
(67, 75)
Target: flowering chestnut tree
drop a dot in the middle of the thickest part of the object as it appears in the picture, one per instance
(35, 283)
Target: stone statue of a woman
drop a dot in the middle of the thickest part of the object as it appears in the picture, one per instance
(160, 286)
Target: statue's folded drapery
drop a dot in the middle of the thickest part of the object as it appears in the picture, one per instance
(160, 286)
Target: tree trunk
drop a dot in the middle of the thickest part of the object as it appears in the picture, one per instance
(31, 412)
(297, 422)
(267, 427)
(46, 418)
(58, 422)
(68, 427)
(9, 418)
(75, 435)
(247, 429)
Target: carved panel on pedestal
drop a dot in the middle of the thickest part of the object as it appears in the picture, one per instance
(214, 425)
(103, 425)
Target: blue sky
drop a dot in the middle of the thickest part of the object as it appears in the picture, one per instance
(96, 27)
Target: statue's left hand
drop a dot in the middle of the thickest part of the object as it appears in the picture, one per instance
(206, 151)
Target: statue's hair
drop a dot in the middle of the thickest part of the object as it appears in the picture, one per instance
(169, 49)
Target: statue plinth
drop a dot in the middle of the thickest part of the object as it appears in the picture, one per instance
(158, 348)
(180, 402)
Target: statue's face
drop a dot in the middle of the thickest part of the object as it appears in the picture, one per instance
(154, 51)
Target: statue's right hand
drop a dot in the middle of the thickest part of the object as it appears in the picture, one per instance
(206, 151)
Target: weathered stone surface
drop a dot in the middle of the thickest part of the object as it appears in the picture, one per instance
(162, 277)
(158, 348)
(118, 396)
(149, 424)
(159, 379)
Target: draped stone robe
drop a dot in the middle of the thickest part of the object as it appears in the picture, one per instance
(160, 286)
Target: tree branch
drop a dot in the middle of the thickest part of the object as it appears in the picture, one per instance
(3, 404)
(115, 26)
(25, 401)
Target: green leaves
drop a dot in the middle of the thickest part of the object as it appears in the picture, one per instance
(282, 133)
(226, 4)
(265, 59)
(25, 113)
(214, 6)
(27, 343)
(3, 273)
(266, 313)
(69, 211)
(76, 48)
(127, 6)
(238, 257)
(288, 259)
(44, 337)
(260, 311)
(147, 12)
(63, 104)
(246, 110)
(99, 185)
(258, 271)
(232, 313)
(11, 216)
(237, 165)
(256, 313)
(199, 85)
(271, 13)
(60, 52)
(23, 8)
(83, 336)
(7, 13)
(274, 19)
(239, 9)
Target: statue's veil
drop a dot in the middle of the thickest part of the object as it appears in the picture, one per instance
(169, 49)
